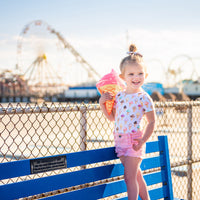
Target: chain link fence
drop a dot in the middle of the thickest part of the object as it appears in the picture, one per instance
(34, 130)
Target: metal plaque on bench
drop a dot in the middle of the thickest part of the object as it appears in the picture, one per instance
(48, 164)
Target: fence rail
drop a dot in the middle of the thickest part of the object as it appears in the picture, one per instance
(35, 130)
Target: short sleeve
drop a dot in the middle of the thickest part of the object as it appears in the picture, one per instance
(148, 104)
(115, 101)
(114, 105)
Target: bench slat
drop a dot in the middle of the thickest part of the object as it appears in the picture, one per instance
(91, 156)
(47, 184)
(153, 162)
(152, 147)
(106, 190)
(118, 187)
(158, 193)
(154, 194)
(95, 192)
(154, 178)
(14, 169)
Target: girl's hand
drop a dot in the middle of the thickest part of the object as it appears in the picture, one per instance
(148, 132)
(138, 144)
(105, 97)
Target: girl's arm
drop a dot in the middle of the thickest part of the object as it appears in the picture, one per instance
(105, 97)
(148, 131)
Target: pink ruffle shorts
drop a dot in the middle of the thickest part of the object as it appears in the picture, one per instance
(124, 144)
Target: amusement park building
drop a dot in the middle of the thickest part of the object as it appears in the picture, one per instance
(12, 87)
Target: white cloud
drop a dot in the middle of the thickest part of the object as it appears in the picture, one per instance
(162, 45)
(106, 52)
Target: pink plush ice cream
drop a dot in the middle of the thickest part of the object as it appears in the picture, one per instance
(110, 83)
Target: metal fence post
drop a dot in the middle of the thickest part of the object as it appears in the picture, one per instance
(189, 149)
(83, 128)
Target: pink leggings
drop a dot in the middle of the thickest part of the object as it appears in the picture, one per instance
(124, 144)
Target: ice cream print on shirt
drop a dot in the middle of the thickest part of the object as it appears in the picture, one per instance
(130, 109)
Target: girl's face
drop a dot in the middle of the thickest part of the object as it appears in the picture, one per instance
(134, 75)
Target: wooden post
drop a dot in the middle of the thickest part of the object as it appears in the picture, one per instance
(189, 151)
(83, 128)
(83, 131)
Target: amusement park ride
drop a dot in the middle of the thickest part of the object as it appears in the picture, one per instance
(48, 62)
(48, 67)
(181, 67)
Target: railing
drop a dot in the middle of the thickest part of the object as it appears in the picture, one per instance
(34, 130)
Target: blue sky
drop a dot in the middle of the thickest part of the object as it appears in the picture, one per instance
(101, 30)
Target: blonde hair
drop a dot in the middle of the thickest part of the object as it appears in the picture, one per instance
(134, 57)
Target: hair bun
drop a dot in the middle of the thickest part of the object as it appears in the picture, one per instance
(132, 48)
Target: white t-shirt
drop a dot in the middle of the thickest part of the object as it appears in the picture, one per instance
(130, 108)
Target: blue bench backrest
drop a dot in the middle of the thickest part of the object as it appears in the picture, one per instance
(65, 180)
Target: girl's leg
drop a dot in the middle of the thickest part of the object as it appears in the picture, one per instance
(131, 166)
(142, 186)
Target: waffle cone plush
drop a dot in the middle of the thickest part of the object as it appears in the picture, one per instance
(110, 83)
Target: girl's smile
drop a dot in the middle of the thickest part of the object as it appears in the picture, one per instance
(136, 83)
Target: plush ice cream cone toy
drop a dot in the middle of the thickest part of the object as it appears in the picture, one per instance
(110, 83)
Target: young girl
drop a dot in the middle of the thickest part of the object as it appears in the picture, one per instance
(130, 106)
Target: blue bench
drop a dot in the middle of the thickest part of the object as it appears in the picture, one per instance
(93, 178)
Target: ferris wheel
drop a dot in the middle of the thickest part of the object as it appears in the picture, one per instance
(181, 67)
(48, 61)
